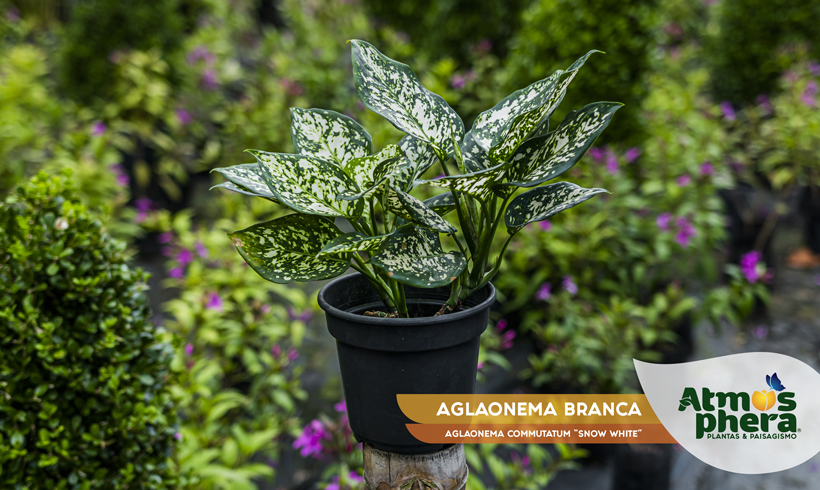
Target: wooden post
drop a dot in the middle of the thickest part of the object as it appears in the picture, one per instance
(444, 470)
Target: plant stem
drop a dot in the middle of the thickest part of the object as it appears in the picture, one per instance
(373, 218)
(461, 219)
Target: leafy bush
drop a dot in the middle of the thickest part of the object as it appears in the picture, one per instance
(98, 30)
(84, 399)
(744, 52)
(555, 32)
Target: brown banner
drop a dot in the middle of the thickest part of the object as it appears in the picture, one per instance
(542, 434)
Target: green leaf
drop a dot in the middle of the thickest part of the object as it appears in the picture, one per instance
(442, 203)
(408, 207)
(542, 202)
(285, 249)
(477, 184)
(541, 159)
(248, 178)
(371, 172)
(418, 158)
(353, 242)
(475, 157)
(392, 90)
(328, 135)
(307, 184)
(528, 122)
(414, 256)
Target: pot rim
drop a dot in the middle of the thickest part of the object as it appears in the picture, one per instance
(425, 320)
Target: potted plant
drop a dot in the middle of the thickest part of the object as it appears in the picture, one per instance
(410, 320)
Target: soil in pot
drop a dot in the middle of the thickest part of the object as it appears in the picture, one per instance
(380, 358)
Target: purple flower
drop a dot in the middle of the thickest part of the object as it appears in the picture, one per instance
(728, 111)
(309, 442)
(814, 68)
(303, 317)
(184, 117)
(501, 324)
(184, 257)
(176, 273)
(569, 285)
(167, 251)
(334, 485)
(13, 14)
(525, 461)
(685, 231)
(294, 89)
(596, 154)
(507, 338)
(663, 221)
(98, 128)
(706, 168)
(480, 365)
(201, 250)
(545, 225)
(543, 293)
(209, 80)
(355, 477)
(764, 103)
(748, 265)
(214, 302)
(200, 53)
(276, 351)
(293, 354)
(809, 96)
(265, 309)
(684, 180)
(122, 179)
(457, 81)
(189, 349)
(760, 332)
(484, 45)
(143, 204)
(340, 407)
(611, 162)
(632, 154)
(165, 237)
(178, 436)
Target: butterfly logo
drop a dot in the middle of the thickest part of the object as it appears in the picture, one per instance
(774, 383)
(764, 400)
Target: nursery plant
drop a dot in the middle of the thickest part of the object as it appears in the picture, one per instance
(396, 238)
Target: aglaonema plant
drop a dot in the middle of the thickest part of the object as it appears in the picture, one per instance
(397, 238)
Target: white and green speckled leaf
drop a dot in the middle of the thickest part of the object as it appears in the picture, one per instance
(392, 90)
(328, 135)
(414, 256)
(477, 184)
(542, 202)
(368, 169)
(353, 242)
(411, 209)
(475, 157)
(528, 122)
(442, 203)
(247, 177)
(240, 190)
(418, 158)
(308, 184)
(284, 250)
(545, 158)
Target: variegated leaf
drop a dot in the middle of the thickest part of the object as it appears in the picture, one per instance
(542, 202)
(353, 242)
(408, 207)
(418, 158)
(393, 90)
(284, 250)
(239, 190)
(528, 122)
(414, 256)
(442, 203)
(477, 184)
(328, 135)
(363, 170)
(247, 176)
(308, 184)
(475, 157)
(541, 159)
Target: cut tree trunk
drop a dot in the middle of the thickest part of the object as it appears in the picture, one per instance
(444, 470)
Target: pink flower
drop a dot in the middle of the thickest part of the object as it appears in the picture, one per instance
(501, 325)
(340, 407)
(569, 285)
(663, 221)
(176, 273)
(706, 168)
(13, 14)
(480, 365)
(143, 205)
(684, 180)
(98, 128)
(201, 250)
(507, 338)
(303, 317)
(765, 104)
(545, 225)
(685, 232)
(760, 332)
(748, 265)
(728, 111)
(122, 179)
(183, 116)
(276, 351)
(355, 477)
(543, 293)
(309, 442)
(485, 45)
(596, 154)
(265, 309)
(165, 237)
(457, 81)
(209, 80)
(293, 354)
(611, 162)
(189, 349)
(809, 96)
(294, 89)
(214, 302)
(178, 436)
(814, 68)
(184, 257)
(632, 154)
(200, 53)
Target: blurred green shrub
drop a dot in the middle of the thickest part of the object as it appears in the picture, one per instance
(554, 33)
(84, 398)
(98, 31)
(744, 50)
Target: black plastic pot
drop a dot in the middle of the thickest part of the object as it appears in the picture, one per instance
(380, 358)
